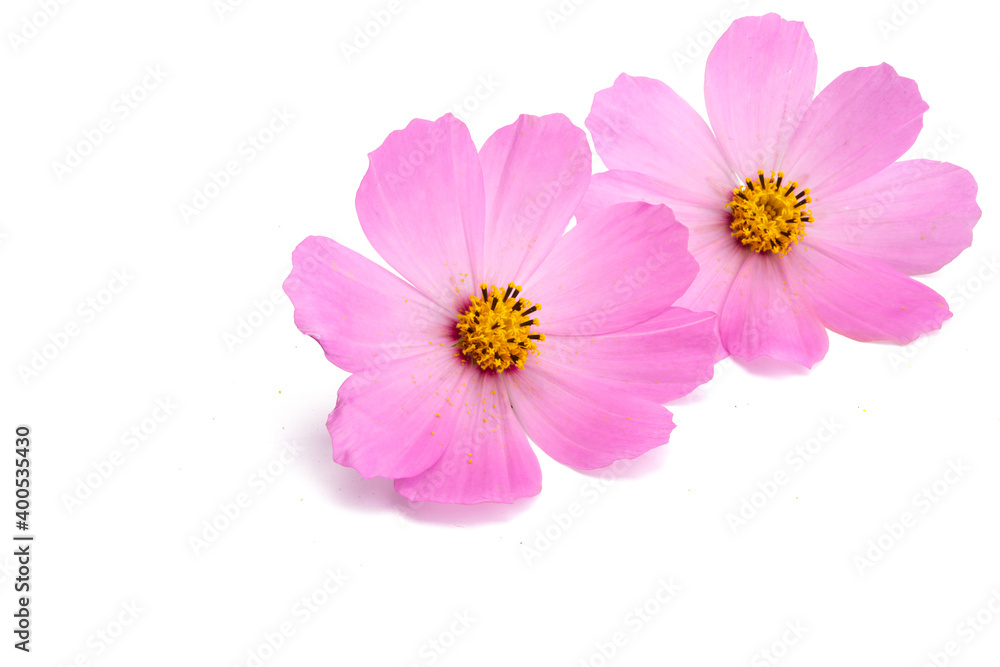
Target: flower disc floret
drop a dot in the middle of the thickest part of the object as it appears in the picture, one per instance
(496, 331)
(768, 216)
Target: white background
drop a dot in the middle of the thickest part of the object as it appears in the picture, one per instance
(902, 414)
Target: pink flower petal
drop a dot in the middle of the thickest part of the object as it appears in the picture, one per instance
(759, 81)
(582, 421)
(856, 127)
(915, 216)
(767, 314)
(619, 186)
(536, 171)
(862, 298)
(488, 458)
(421, 205)
(362, 315)
(720, 258)
(626, 265)
(661, 359)
(642, 125)
(397, 420)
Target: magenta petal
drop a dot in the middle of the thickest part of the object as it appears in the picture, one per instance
(582, 421)
(360, 314)
(397, 420)
(767, 314)
(864, 299)
(856, 127)
(488, 458)
(915, 216)
(629, 263)
(642, 125)
(536, 171)
(661, 359)
(422, 206)
(618, 186)
(759, 81)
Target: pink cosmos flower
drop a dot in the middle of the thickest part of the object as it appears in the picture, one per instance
(451, 361)
(800, 217)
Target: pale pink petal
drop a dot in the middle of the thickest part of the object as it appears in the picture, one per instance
(862, 298)
(628, 264)
(421, 205)
(856, 127)
(618, 186)
(583, 421)
(535, 172)
(642, 125)
(720, 258)
(767, 314)
(362, 315)
(759, 81)
(915, 216)
(397, 420)
(661, 359)
(488, 458)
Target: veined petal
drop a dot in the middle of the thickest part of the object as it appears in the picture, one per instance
(710, 241)
(863, 299)
(619, 186)
(536, 171)
(856, 127)
(720, 258)
(398, 420)
(422, 206)
(915, 216)
(767, 314)
(642, 125)
(660, 359)
(759, 80)
(362, 315)
(628, 264)
(583, 421)
(488, 458)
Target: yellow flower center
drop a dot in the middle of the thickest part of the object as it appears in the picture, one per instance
(496, 329)
(769, 217)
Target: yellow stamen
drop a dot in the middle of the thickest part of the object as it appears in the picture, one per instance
(495, 331)
(769, 216)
